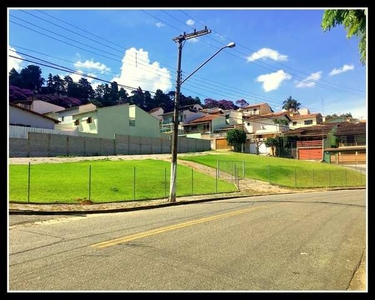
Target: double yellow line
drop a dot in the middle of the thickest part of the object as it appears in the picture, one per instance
(151, 232)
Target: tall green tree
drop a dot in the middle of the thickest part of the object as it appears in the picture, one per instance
(31, 78)
(122, 95)
(354, 21)
(273, 143)
(235, 138)
(15, 78)
(85, 90)
(291, 104)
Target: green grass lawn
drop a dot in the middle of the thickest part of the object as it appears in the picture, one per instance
(282, 171)
(110, 181)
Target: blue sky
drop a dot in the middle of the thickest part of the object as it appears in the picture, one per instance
(279, 53)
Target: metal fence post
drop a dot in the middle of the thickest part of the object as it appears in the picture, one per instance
(217, 174)
(192, 181)
(28, 183)
(217, 168)
(165, 182)
(133, 183)
(90, 182)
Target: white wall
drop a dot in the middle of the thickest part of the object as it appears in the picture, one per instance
(20, 116)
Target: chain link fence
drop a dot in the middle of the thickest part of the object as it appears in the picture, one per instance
(291, 177)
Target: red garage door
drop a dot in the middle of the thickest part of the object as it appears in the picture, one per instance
(310, 154)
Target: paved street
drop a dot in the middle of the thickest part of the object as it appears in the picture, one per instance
(312, 241)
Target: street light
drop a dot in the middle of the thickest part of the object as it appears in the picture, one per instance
(172, 191)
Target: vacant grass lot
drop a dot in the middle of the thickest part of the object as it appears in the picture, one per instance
(282, 171)
(110, 181)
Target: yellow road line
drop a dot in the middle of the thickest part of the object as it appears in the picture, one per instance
(147, 233)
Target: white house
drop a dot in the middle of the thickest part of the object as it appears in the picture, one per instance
(21, 116)
(260, 127)
(39, 106)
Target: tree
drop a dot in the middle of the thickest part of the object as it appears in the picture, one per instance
(242, 103)
(122, 95)
(58, 85)
(15, 78)
(235, 138)
(291, 104)
(273, 143)
(31, 78)
(354, 21)
(85, 90)
(281, 121)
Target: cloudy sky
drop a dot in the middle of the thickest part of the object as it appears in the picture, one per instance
(279, 53)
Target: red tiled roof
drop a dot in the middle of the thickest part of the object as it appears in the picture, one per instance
(299, 117)
(205, 118)
(268, 115)
(254, 105)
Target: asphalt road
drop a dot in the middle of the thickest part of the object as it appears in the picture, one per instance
(304, 242)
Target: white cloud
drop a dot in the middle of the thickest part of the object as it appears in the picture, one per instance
(309, 81)
(77, 77)
(138, 71)
(272, 81)
(343, 69)
(190, 22)
(267, 53)
(90, 64)
(159, 24)
(14, 62)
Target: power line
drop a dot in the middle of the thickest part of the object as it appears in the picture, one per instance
(207, 80)
(340, 86)
(71, 71)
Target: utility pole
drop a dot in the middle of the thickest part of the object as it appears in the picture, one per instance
(180, 40)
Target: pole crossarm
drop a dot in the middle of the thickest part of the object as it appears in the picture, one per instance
(188, 36)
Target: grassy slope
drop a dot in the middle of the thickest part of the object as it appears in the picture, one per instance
(283, 171)
(110, 181)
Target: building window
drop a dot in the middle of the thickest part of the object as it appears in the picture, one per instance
(248, 124)
(62, 119)
(76, 122)
(308, 122)
(294, 123)
(132, 122)
(89, 120)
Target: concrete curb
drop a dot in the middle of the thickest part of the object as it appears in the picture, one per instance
(25, 211)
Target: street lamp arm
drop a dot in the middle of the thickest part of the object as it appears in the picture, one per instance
(230, 45)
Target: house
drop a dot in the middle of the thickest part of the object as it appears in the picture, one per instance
(336, 142)
(185, 115)
(66, 116)
(260, 127)
(302, 120)
(39, 106)
(20, 116)
(307, 142)
(124, 119)
(157, 112)
(256, 109)
(205, 125)
(347, 144)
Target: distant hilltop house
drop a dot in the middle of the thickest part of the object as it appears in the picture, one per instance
(105, 122)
